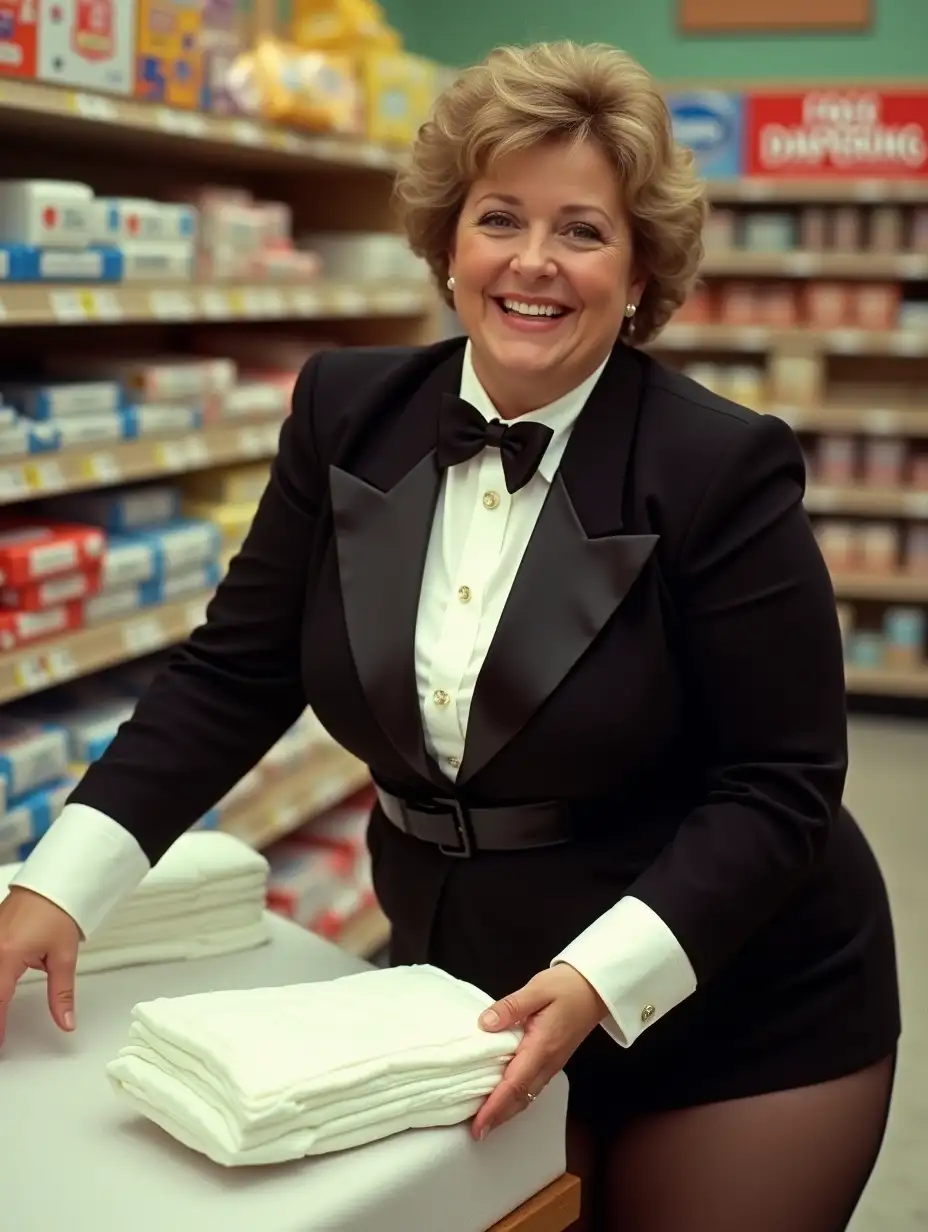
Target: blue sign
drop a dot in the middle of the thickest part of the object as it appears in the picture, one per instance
(711, 123)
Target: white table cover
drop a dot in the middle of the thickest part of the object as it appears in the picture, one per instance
(73, 1157)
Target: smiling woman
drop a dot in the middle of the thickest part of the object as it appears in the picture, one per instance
(548, 185)
(566, 605)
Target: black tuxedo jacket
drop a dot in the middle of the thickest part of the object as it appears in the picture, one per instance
(668, 662)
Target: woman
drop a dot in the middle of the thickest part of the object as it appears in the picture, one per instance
(567, 606)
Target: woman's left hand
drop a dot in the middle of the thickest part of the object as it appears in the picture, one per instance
(557, 1010)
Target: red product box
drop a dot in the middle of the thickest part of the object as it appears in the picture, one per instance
(19, 23)
(836, 133)
(22, 628)
(30, 551)
(52, 592)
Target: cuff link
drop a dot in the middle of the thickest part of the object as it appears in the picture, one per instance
(648, 1013)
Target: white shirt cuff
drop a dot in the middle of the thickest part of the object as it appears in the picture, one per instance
(636, 965)
(85, 864)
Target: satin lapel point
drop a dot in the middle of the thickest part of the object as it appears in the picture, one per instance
(567, 588)
(381, 540)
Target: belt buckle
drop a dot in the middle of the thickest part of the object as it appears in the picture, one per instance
(463, 830)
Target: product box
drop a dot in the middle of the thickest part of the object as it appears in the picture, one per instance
(31, 550)
(181, 584)
(89, 44)
(22, 628)
(46, 213)
(398, 89)
(39, 596)
(128, 560)
(45, 401)
(221, 41)
(169, 64)
(187, 544)
(88, 429)
(19, 38)
(32, 754)
(125, 509)
(711, 124)
(152, 419)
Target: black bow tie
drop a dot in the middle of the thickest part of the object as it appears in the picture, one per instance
(463, 433)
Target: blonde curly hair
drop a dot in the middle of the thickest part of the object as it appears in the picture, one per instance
(520, 97)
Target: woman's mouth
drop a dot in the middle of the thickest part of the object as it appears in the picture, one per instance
(531, 314)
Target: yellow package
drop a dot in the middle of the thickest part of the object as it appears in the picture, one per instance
(305, 89)
(398, 93)
(342, 25)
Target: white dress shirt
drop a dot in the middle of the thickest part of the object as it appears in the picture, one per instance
(87, 862)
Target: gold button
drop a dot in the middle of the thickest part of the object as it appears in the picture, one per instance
(648, 1013)
(454, 761)
(464, 594)
(441, 698)
(490, 500)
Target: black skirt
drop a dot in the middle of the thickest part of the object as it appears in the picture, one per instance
(812, 997)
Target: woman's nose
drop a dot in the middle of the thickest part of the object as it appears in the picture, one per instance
(533, 256)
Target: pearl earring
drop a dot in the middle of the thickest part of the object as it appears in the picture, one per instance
(450, 283)
(630, 310)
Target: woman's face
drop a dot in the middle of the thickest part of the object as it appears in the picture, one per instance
(543, 269)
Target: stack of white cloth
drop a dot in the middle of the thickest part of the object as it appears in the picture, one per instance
(273, 1074)
(205, 897)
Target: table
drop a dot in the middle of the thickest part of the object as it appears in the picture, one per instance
(75, 1156)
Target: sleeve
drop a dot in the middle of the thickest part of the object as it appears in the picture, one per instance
(762, 658)
(234, 688)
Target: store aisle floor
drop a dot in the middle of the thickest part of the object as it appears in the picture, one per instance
(888, 793)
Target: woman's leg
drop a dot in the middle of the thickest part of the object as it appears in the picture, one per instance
(584, 1160)
(791, 1161)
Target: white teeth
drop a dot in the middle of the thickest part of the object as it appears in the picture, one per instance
(532, 310)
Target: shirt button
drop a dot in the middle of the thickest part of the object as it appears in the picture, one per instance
(491, 500)
(648, 1013)
(464, 594)
(454, 762)
(441, 698)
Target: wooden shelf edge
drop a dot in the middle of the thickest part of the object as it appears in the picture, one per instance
(110, 119)
(887, 682)
(554, 1209)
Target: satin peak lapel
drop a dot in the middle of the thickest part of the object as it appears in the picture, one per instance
(567, 588)
(382, 539)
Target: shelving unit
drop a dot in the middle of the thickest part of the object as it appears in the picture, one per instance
(124, 147)
(868, 391)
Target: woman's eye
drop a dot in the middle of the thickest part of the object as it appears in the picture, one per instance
(584, 231)
(495, 220)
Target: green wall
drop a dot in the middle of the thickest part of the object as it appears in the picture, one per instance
(896, 46)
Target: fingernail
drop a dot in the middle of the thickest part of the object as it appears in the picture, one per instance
(489, 1018)
(68, 1020)
(483, 1133)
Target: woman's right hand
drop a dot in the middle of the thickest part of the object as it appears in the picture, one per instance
(36, 933)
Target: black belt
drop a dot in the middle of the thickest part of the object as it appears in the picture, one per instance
(461, 831)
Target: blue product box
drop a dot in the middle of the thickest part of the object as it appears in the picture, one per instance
(18, 263)
(44, 438)
(711, 124)
(156, 420)
(23, 825)
(122, 510)
(31, 755)
(185, 544)
(44, 401)
(181, 584)
(95, 264)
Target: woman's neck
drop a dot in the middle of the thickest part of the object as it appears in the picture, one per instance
(515, 394)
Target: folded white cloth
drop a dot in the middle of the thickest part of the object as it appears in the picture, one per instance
(272, 1074)
(205, 897)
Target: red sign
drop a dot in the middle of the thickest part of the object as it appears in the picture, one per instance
(837, 132)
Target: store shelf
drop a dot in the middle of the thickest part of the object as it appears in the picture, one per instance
(834, 191)
(879, 265)
(881, 587)
(366, 934)
(866, 421)
(72, 470)
(913, 342)
(876, 502)
(887, 682)
(64, 658)
(35, 304)
(289, 799)
(75, 114)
